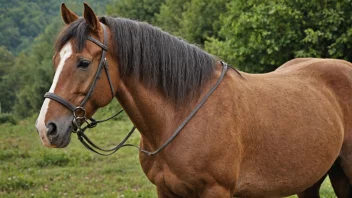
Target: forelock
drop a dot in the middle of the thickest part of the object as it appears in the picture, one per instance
(77, 31)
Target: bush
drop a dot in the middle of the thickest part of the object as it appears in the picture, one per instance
(7, 118)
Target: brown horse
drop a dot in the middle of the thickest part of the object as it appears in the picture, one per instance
(257, 135)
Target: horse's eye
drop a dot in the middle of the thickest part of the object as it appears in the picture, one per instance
(83, 64)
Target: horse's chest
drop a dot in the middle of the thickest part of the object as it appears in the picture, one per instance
(172, 183)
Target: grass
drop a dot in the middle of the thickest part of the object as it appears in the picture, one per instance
(28, 169)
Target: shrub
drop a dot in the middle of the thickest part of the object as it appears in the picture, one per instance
(7, 118)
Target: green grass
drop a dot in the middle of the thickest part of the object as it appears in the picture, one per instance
(28, 169)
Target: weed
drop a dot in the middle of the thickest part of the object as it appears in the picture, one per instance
(9, 154)
(15, 183)
(53, 159)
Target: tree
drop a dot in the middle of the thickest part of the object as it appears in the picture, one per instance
(194, 20)
(201, 20)
(142, 10)
(258, 36)
(6, 63)
(36, 68)
(22, 21)
(170, 16)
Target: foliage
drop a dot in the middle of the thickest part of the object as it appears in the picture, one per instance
(22, 21)
(170, 16)
(193, 20)
(7, 61)
(142, 10)
(38, 70)
(7, 118)
(258, 36)
(201, 19)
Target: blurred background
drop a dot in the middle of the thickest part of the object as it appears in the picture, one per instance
(253, 35)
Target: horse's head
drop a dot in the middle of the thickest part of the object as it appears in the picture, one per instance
(81, 83)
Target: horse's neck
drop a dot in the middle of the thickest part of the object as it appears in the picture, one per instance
(153, 115)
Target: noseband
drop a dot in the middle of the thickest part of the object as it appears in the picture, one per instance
(79, 112)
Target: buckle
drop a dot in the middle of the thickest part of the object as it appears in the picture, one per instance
(78, 110)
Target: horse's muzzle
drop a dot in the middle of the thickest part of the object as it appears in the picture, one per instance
(57, 132)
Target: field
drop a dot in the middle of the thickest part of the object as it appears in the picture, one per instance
(27, 169)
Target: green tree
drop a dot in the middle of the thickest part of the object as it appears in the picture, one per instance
(170, 16)
(142, 10)
(201, 20)
(21, 21)
(6, 61)
(258, 36)
(6, 95)
(36, 68)
(194, 20)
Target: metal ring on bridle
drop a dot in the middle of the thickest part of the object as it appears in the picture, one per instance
(79, 108)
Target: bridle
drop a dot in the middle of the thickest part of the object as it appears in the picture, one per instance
(79, 112)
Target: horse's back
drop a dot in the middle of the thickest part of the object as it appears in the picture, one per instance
(294, 62)
(309, 66)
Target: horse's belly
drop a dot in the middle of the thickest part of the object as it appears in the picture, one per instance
(271, 180)
(259, 186)
(285, 164)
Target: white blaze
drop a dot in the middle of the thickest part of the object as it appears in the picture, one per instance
(65, 53)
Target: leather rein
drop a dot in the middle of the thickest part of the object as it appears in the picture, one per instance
(79, 112)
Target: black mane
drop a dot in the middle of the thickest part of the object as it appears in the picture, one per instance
(157, 58)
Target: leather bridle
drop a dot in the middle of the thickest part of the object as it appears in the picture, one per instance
(79, 112)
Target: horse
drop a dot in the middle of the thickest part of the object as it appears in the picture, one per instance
(249, 135)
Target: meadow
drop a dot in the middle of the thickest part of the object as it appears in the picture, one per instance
(28, 169)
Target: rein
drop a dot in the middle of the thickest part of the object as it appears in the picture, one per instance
(91, 123)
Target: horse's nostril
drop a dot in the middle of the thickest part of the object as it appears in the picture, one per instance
(52, 129)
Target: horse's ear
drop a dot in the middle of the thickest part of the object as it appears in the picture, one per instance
(67, 15)
(91, 18)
